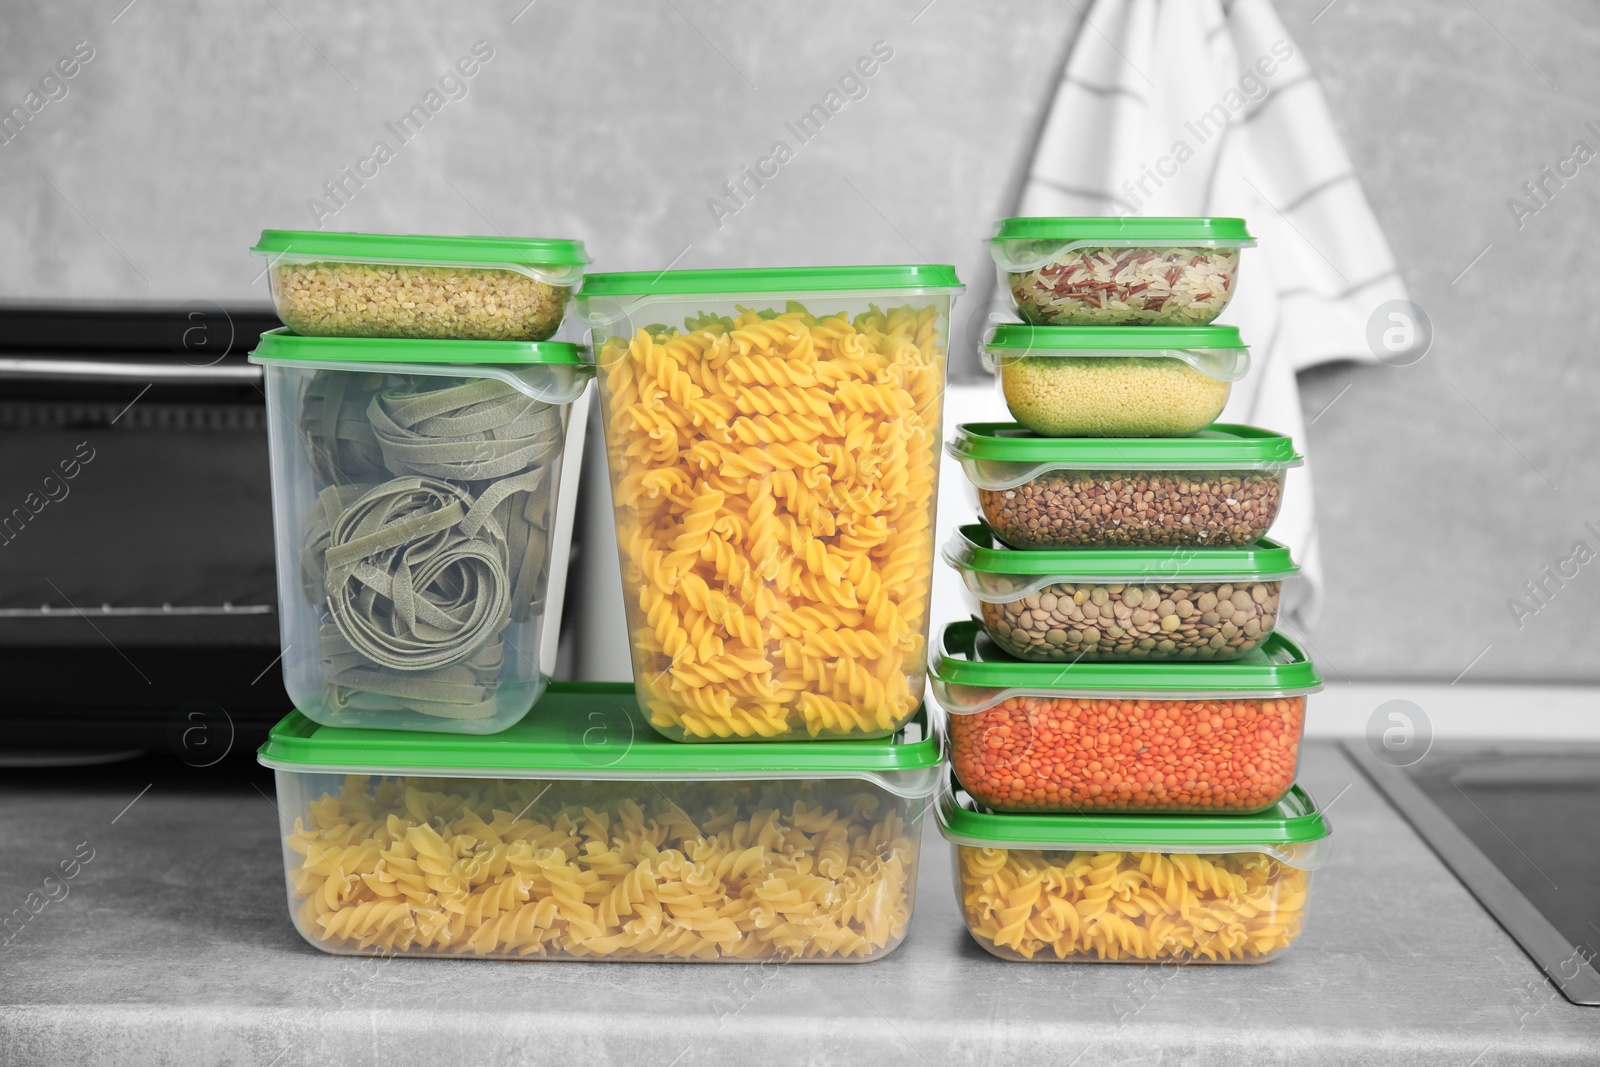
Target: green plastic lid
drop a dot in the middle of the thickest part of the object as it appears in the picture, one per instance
(771, 280)
(284, 344)
(1122, 231)
(421, 248)
(974, 548)
(595, 730)
(1219, 446)
(1293, 821)
(1052, 340)
(965, 656)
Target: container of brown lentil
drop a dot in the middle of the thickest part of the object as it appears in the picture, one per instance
(1221, 486)
(420, 286)
(1115, 381)
(1122, 737)
(1122, 604)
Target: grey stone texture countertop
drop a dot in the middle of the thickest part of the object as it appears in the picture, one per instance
(172, 945)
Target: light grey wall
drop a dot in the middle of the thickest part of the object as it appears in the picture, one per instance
(1442, 486)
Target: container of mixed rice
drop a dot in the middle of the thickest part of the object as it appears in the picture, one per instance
(1108, 271)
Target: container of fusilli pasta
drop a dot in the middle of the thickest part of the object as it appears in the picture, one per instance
(332, 284)
(773, 442)
(1079, 605)
(580, 833)
(1110, 271)
(414, 490)
(1172, 889)
(1198, 737)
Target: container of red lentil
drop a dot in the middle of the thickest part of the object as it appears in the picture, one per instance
(1221, 486)
(1181, 737)
(1137, 604)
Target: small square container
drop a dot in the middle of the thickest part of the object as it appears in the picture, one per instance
(1156, 381)
(1114, 604)
(1180, 737)
(773, 438)
(414, 493)
(581, 834)
(1171, 889)
(1106, 271)
(328, 284)
(1222, 486)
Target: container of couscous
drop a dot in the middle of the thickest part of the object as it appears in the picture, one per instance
(1173, 889)
(1108, 604)
(581, 834)
(1155, 381)
(420, 286)
(1106, 271)
(1220, 486)
(1181, 737)
(414, 491)
(773, 439)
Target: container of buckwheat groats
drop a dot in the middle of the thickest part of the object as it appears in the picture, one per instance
(1122, 737)
(1221, 486)
(1108, 271)
(579, 833)
(420, 285)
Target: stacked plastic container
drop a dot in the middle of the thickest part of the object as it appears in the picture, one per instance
(772, 438)
(1124, 722)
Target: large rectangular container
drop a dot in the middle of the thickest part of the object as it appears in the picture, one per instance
(581, 834)
(1176, 889)
(773, 442)
(1174, 737)
(414, 489)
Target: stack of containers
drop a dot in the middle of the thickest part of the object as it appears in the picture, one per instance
(773, 441)
(1124, 721)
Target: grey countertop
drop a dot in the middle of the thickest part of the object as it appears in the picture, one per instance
(173, 945)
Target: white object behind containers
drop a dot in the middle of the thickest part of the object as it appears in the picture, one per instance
(1180, 107)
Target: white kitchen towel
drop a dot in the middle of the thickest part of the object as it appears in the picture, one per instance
(1201, 107)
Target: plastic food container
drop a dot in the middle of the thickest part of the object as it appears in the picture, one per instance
(773, 440)
(1115, 381)
(1122, 603)
(580, 834)
(1119, 271)
(413, 494)
(1092, 888)
(1223, 486)
(1183, 737)
(414, 285)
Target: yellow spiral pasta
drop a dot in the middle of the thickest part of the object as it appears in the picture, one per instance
(522, 869)
(1236, 907)
(775, 478)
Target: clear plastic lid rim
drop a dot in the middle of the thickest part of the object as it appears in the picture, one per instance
(576, 375)
(1208, 361)
(616, 309)
(941, 693)
(1030, 471)
(1011, 266)
(1036, 582)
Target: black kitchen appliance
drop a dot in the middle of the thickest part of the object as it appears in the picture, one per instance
(137, 592)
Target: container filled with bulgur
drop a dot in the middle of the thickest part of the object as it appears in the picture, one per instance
(1122, 737)
(1107, 271)
(1149, 381)
(421, 286)
(1221, 486)
(1116, 604)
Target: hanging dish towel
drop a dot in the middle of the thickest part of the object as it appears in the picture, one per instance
(1198, 107)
